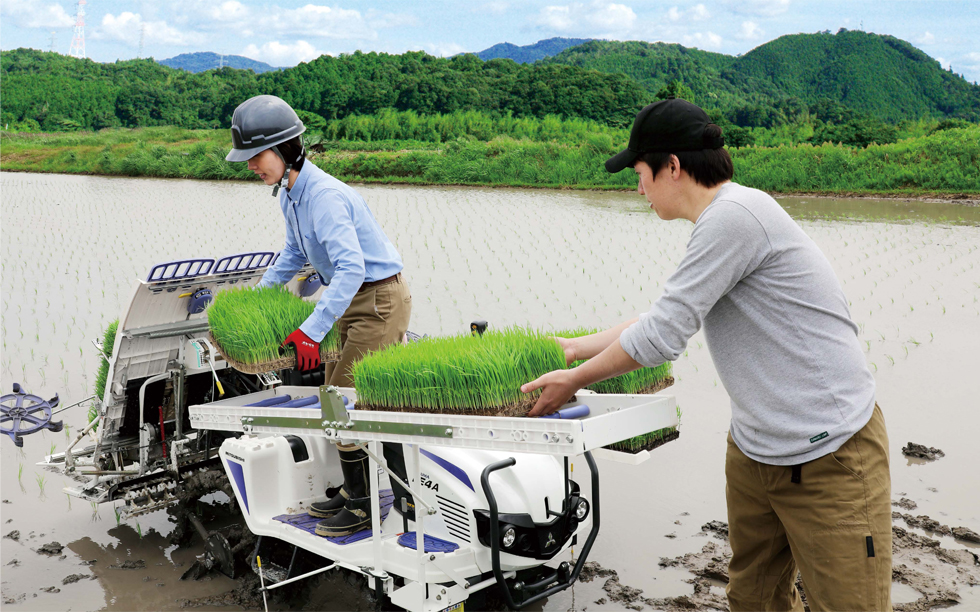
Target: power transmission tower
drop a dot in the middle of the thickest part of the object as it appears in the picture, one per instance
(139, 54)
(78, 39)
(221, 61)
(54, 39)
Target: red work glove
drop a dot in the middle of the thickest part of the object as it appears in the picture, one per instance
(307, 351)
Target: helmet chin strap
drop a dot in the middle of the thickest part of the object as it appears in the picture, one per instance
(284, 181)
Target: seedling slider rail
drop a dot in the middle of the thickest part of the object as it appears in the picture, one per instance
(611, 418)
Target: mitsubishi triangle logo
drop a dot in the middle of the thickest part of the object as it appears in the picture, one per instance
(551, 541)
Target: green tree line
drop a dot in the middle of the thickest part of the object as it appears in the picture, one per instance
(947, 160)
(52, 92)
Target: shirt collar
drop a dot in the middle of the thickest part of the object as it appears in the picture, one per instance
(296, 193)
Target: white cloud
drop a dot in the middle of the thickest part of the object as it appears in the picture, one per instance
(230, 11)
(761, 8)
(702, 40)
(750, 31)
(278, 54)
(925, 39)
(34, 14)
(698, 12)
(596, 18)
(127, 27)
(318, 21)
(309, 21)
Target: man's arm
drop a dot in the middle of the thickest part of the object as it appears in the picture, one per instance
(728, 244)
(725, 247)
(587, 347)
(291, 259)
(560, 385)
(334, 229)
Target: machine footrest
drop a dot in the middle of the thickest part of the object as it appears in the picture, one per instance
(307, 523)
(432, 543)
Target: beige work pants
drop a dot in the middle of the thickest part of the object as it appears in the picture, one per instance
(834, 526)
(377, 316)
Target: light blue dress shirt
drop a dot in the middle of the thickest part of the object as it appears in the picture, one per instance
(329, 225)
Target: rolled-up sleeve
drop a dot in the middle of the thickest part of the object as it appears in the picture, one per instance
(333, 228)
(727, 244)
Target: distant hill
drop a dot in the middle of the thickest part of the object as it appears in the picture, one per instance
(199, 62)
(654, 65)
(869, 73)
(530, 53)
(876, 74)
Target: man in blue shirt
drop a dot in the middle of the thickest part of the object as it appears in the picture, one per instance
(329, 225)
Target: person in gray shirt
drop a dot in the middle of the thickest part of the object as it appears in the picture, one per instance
(808, 485)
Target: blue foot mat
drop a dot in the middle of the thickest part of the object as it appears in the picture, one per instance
(307, 523)
(432, 543)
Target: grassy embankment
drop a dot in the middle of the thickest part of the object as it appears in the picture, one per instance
(521, 153)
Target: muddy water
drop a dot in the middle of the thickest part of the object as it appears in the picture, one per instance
(72, 247)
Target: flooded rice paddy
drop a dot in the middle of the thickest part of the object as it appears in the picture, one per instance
(72, 247)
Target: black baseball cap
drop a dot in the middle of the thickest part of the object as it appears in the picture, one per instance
(667, 126)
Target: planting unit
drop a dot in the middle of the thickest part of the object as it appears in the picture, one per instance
(157, 360)
(494, 499)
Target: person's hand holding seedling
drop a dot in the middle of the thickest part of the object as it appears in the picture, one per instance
(307, 350)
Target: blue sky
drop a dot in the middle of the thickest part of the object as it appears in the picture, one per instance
(284, 33)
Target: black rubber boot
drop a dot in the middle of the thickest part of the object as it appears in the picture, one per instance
(354, 514)
(395, 458)
(349, 455)
(332, 506)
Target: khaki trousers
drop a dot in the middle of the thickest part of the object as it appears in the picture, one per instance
(377, 316)
(834, 526)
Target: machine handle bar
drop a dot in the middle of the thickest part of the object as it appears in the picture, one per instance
(495, 539)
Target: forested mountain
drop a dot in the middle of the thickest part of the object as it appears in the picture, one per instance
(529, 53)
(199, 62)
(60, 92)
(819, 82)
(869, 73)
(876, 74)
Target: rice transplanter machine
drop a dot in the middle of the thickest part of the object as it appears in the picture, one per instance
(494, 498)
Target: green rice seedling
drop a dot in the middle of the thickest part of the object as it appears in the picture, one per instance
(20, 471)
(250, 324)
(459, 374)
(649, 441)
(643, 380)
(102, 374)
(40, 482)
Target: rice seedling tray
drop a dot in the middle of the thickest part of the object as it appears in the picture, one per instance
(612, 418)
(248, 325)
(270, 365)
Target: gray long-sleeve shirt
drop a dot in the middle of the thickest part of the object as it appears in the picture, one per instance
(777, 326)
